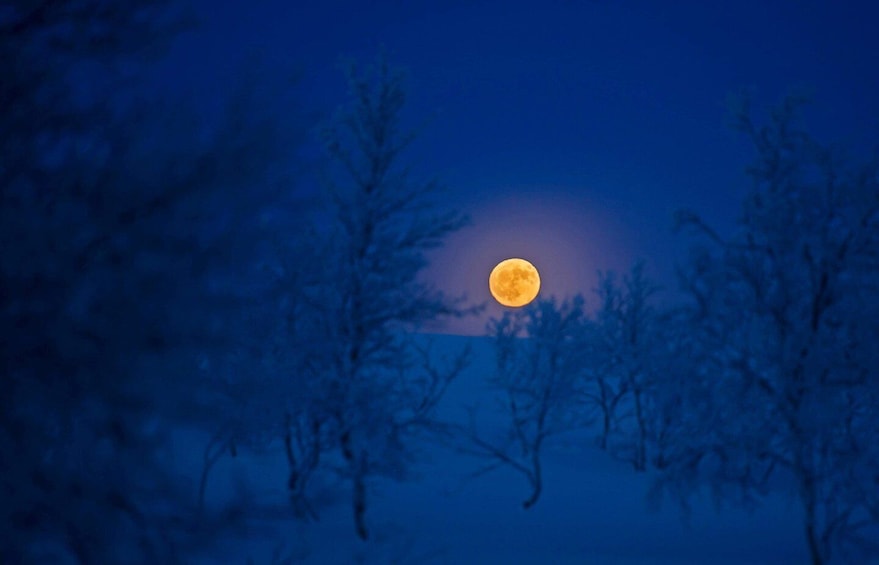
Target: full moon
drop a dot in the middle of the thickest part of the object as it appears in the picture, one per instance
(514, 282)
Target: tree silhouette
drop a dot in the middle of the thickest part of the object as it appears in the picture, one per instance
(540, 362)
(782, 314)
(623, 364)
(371, 388)
(108, 204)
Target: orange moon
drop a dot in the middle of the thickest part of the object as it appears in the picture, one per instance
(514, 282)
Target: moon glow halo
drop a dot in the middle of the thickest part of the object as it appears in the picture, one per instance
(514, 282)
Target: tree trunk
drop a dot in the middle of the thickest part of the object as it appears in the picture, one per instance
(605, 432)
(641, 446)
(212, 454)
(812, 535)
(809, 503)
(300, 471)
(812, 538)
(357, 466)
(536, 481)
(359, 506)
(605, 413)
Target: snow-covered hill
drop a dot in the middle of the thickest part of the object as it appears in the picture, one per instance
(594, 510)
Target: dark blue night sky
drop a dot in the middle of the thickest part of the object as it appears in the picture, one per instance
(244, 320)
(571, 131)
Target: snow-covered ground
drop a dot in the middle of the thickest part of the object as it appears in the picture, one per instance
(593, 510)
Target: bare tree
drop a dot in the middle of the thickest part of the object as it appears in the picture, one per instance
(372, 393)
(622, 364)
(540, 362)
(105, 254)
(783, 320)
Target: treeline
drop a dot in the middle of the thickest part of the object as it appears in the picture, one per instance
(764, 374)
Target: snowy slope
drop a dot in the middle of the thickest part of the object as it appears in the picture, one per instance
(593, 510)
